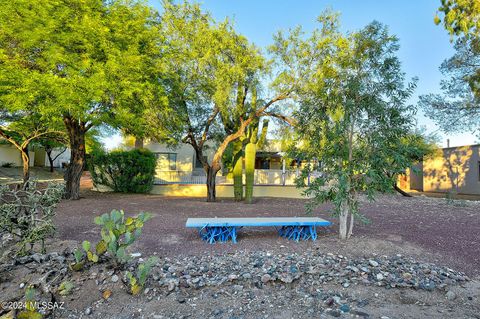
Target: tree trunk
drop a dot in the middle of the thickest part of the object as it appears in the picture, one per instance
(26, 167)
(343, 220)
(211, 176)
(401, 191)
(76, 132)
(350, 228)
(237, 170)
(50, 159)
(138, 142)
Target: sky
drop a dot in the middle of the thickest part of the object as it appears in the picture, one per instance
(423, 45)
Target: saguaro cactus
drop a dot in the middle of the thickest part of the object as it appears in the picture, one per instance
(250, 155)
(238, 169)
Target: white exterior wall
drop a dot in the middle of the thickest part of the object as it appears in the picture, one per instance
(63, 158)
(9, 154)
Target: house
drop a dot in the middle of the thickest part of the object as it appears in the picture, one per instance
(10, 156)
(179, 165)
(451, 169)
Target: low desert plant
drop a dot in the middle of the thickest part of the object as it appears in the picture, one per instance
(30, 311)
(117, 232)
(124, 171)
(137, 282)
(27, 214)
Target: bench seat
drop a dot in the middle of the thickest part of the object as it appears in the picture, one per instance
(224, 229)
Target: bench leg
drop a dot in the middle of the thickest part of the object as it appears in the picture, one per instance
(221, 233)
(298, 232)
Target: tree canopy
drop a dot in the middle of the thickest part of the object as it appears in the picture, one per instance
(460, 17)
(87, 63)
(352, 115)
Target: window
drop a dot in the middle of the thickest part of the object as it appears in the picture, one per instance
(199, 164)
(166, 161)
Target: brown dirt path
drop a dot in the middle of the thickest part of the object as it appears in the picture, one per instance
(427, 228)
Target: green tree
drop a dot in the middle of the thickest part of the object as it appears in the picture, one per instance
(212, 73)
(22, 129)
(460, 17)
(95, 62)
(352, 116)
(458, 108)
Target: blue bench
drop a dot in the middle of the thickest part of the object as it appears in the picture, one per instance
(224, 229)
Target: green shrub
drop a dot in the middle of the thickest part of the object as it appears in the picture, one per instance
(124, 171)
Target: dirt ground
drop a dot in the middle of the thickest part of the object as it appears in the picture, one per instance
(427, 228)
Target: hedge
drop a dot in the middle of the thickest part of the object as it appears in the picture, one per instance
(124, 171)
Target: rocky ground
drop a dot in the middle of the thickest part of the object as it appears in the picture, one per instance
(417, 258)
(251, 285)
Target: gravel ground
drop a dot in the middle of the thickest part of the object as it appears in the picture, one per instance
(427, 228)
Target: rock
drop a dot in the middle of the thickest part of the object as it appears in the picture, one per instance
(171, 285)
(334, 313)
(379, 277)
(136, 255)
(373, 263)
(88, 311)
(232, 277)
(360, 314)
(266, 278)
(346, 284)
(37, 258)
(22, 285)
(114, 278)
(286, 279)
(407, 276)
(181, 299)
(450, 295)
(344, 308)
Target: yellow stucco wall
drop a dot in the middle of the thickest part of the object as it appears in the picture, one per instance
(223, 191)
(453, 169)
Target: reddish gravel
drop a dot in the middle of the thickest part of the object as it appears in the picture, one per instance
(427, 228)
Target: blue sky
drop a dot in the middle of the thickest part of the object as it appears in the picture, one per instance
(423, 44)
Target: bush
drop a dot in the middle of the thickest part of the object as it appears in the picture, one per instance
(124, 171)
(28, 214)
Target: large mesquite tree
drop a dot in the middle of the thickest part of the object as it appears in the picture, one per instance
(212, 73)
(89, 59)
(353, 115)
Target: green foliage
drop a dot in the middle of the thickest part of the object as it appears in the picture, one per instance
(85, 64)
(124, 171)
(28, 214)
(352, 114)
(457, 109)
(137, 282)
(66, 288)
(30, 311)
(118, 233)
(460, 17)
